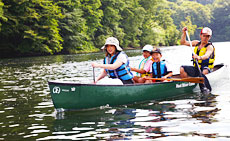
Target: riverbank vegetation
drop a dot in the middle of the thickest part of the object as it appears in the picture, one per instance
(44, 27)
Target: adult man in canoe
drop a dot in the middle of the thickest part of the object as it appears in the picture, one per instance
(204, 53)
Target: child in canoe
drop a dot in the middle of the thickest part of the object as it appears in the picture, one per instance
(157, 67)
(146, 50)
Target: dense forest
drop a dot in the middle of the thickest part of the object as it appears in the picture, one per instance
(44, 27)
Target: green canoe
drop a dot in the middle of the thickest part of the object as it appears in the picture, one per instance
(83, 96)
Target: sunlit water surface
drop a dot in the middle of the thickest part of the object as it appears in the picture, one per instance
(27, 111)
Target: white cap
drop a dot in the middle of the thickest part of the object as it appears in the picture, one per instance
(206, 30)
(112, 41)
(148, 48)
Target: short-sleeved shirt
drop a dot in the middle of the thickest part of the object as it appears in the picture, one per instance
(148, 65)
(142, 65)
(122, 57)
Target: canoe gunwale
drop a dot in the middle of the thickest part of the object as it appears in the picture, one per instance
(102, 85)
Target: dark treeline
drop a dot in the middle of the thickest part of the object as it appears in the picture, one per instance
(43, 27)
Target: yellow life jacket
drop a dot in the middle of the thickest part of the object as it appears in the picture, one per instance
(142, 65)
(200, 52)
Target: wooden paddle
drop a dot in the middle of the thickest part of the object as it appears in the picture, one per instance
(188, 79)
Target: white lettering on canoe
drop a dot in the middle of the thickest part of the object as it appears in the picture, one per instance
(56, 90)
(73, 89)
(182, 85)
(65, 90)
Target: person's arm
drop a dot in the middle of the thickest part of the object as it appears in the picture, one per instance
(207, 54)
(167, 76)
(168, 69)
(138, 70)
(149, 81)
(183, 40)
(102, 75)
(113, 66)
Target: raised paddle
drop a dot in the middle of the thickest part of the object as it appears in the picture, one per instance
(193, 53)
(188, 79)
(205, 89)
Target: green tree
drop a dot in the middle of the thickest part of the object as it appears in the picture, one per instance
(199, 14)
(221, 21)
(2, 18)
(110, 22)
(93, 15)
(31, 28)
(164, 19)
(189, 25)
(132, 21)
(153, 33)
(73, 27)
(205, 2)
(41, 27)
(158, 27)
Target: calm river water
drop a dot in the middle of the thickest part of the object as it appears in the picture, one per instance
(27, 111)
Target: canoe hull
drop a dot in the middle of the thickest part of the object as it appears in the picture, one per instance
(83, 96)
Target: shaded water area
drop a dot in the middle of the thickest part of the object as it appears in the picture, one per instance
(27, 111)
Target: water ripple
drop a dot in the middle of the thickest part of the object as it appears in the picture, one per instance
(27, 111)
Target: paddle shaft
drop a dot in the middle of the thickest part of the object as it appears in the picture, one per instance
(188, 79)
(93, 75)
(200, 73)
(193, 53)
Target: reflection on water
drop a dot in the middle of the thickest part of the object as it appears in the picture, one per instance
(175, 118)
(27, 112)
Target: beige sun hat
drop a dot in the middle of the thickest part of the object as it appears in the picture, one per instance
(112, 41)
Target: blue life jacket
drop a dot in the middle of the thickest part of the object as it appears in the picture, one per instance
(159, 69)
(123, 72)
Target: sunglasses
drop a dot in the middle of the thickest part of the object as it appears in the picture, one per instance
(206, 36)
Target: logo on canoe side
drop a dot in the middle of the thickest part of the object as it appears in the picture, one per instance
(182, 85)
(56, 90)
(73, 89)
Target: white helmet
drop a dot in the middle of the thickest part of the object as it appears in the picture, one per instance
(148, 48)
